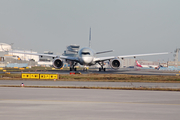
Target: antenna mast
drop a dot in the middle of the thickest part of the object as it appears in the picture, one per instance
(90, 38)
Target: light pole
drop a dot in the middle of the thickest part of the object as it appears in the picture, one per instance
(30, 57)
(176, 56)
(12, 47)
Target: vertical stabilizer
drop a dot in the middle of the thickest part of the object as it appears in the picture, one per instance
(90, 37)
(137, 64)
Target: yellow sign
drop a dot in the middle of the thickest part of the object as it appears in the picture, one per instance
(48, 76)
(26, 75)
(53, 76)
(35, 76)
(40, 76)
(44, 76)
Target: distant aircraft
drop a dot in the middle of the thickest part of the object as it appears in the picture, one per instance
(87, 57)
(146, 66)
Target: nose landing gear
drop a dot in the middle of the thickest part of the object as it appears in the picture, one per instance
(85, 69)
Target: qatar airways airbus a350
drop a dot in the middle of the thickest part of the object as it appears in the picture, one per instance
(87, 57)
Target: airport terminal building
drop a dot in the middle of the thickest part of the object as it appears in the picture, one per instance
(9, 57)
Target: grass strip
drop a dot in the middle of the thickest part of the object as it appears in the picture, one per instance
(102, 78)
(110, 88)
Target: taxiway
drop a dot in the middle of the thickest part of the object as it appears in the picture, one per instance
(128, 71)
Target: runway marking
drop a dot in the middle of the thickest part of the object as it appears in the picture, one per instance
(19, 100)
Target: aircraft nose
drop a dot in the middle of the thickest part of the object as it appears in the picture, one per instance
(87, 59)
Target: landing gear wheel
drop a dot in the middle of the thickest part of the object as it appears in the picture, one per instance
(102, 69)
(72, 69)
(84, 69)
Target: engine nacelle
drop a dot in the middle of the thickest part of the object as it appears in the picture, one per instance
(58, 63)
(115, 63)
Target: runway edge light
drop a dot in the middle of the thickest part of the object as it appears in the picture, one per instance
(22, 85)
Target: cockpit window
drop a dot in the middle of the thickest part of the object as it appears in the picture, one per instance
(85, 53)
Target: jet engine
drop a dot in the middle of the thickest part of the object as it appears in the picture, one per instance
(115, 63)
(58, 63)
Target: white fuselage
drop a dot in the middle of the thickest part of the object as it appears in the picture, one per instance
(86, 56)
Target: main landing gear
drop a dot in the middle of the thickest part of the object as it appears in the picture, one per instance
(101, 68)
(72, 68)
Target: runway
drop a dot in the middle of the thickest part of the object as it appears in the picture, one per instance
(89, 84)
(128, 71)
(78, 104)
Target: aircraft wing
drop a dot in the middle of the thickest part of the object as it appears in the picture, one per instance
(53, 56)
(38, 54)
(103, 58)
(69, 58)
(124, 56)
(136, 55)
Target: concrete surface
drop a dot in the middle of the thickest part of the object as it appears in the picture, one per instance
(85, 104)
(89, 84)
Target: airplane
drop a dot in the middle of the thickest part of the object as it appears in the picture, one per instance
(146, 66)
(87, 57)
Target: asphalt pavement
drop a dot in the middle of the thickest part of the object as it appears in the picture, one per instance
(128, 71)
(89, 84)
(87, 104)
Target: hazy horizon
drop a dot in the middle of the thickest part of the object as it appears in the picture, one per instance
(126, 26)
